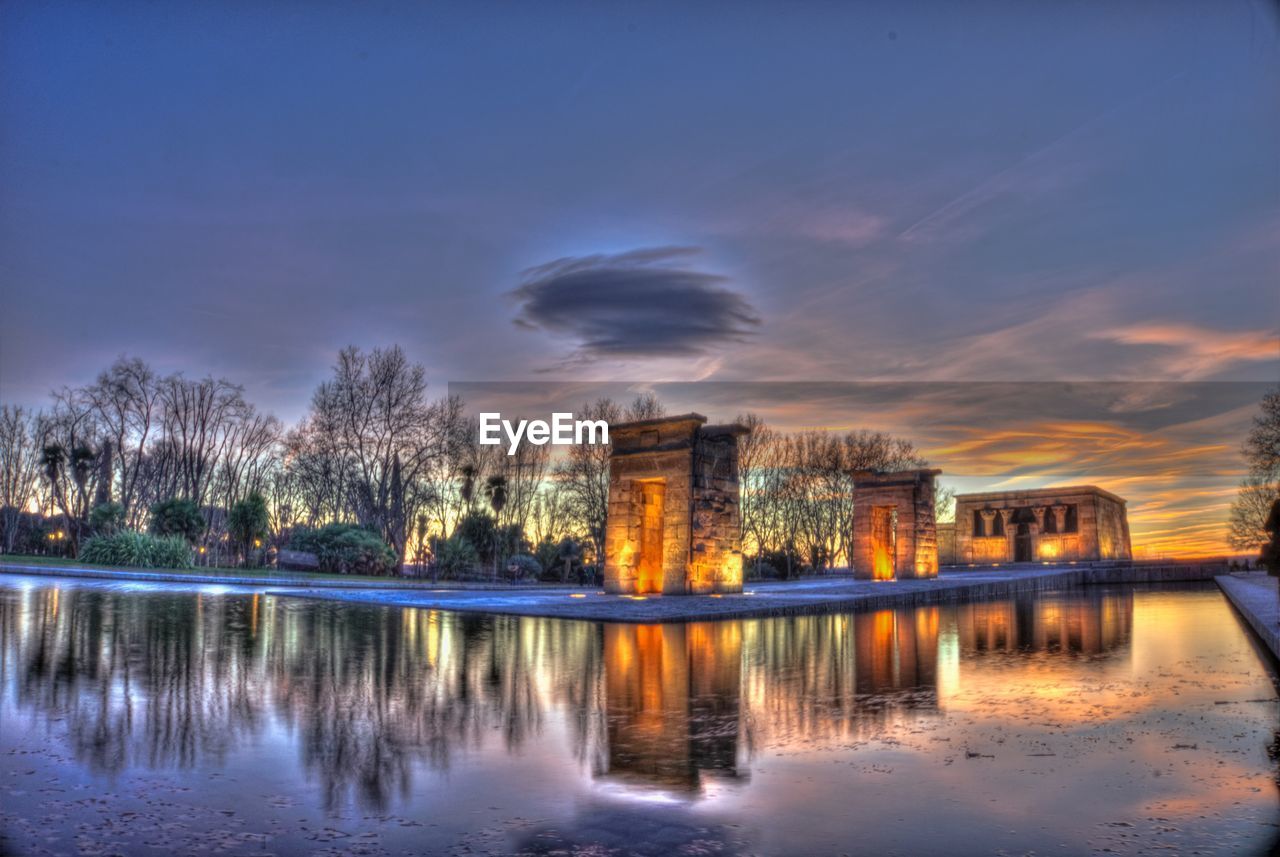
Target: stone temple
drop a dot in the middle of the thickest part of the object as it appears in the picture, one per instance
(674, 525)
(1079, 523)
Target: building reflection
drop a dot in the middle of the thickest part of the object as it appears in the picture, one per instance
(673, 702)
(369, 695)
(1094, 621)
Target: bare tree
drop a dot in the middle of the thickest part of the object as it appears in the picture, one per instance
(645, 406)
(1262, 446)
(523, 474)
(1261, 487)
(318, 474)
(944, 505)
(584, 473)
(752, 452)
(550, 515)
(19, 469)
(1248, 517)
(441, 484)
(251, 449)
(200, 423)
(385, 429)
(126, 398)
(797, 489)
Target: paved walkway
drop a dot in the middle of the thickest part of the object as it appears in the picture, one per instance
(811, 595)
(825, 595)
(1254, 594)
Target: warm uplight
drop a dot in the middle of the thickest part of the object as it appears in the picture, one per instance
(577, 595)
(882, 563)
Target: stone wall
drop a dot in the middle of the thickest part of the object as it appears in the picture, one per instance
(697, 466)
(947, 543)
(909, 497)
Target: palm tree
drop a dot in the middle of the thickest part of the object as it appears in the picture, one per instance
(468, 484)
(53, 457)
(495, 490)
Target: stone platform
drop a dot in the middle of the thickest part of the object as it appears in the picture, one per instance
(1254, 595)
(821, 595)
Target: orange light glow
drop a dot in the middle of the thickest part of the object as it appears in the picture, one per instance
(882, 563)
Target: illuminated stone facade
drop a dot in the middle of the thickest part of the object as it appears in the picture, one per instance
(894, 530)
(674, 525)
(1080, 523)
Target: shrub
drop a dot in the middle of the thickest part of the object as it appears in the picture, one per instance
(176, 517)
(554, 557)
(346, 549)
(480, 531)
(548, 556)
(137, 550)
(490, 540)
(456, 557)
(522, 567)
(106, 518)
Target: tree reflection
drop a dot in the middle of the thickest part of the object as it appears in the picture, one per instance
(369, 695)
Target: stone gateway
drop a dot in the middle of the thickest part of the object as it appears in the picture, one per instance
(894, 531)
(673, 525)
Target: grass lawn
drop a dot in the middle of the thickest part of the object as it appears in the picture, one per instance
(294, 576)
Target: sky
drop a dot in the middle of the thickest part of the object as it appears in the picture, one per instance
(801, 193)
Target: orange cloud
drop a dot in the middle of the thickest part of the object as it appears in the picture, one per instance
(1197, 352)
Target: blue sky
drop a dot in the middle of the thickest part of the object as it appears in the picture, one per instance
(663, 192)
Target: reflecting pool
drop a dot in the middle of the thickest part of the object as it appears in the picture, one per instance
(146, 720)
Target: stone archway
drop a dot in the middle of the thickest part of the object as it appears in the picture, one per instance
(673, 525)
(895, 535)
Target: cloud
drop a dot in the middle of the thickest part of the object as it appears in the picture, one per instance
(646, 303)
(1190, 351)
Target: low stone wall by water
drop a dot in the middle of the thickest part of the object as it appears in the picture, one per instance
(1254, 595)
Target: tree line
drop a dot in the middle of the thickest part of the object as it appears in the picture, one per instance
(377, 474)
(1260, 488)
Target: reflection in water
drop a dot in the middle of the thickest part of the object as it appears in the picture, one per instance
(673, 696)
(375, 703)
(1091, 622)
(173, 680)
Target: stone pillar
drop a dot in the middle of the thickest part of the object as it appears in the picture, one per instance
(1038, 511)
(1060, 518)
(1010, 534)
(988, 517)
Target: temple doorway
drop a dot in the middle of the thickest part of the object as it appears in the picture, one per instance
(1022, 543)
(649, 567)
(884, 542)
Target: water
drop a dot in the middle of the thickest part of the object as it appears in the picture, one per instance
(140, 720)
